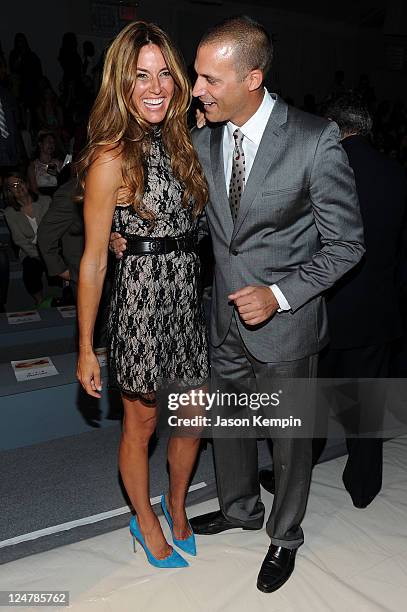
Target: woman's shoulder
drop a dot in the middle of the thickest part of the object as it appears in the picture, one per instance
(106, 164)
(108, 153)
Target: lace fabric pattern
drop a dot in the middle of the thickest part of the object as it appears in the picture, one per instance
(156, 324)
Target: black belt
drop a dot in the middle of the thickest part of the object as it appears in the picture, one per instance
(139, 245)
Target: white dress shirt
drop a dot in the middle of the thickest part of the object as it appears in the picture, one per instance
(252, 131)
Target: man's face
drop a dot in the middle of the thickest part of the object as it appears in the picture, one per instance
(219, 87)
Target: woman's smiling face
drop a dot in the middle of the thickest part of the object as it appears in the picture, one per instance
(154, 86)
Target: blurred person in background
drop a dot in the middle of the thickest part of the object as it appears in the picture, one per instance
(44, 169)
(12, 151)
(69, 59)
(49, 115)
(23, 216)
(363, 307)
(26, 71)
(88, 62)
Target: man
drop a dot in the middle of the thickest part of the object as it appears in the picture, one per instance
(285, 225)
(361, 337)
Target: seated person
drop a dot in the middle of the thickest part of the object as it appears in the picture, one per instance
(23, 214)
(49, 114)
(44, 169)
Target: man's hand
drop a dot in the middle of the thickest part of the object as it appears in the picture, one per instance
(117, 244)
(200, 119)
(254, 304)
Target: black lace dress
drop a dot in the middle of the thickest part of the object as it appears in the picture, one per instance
(156, 325)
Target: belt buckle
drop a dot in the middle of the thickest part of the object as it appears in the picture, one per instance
(177, 242)
(154, 246)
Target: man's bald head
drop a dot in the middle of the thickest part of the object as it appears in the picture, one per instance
(249, 41)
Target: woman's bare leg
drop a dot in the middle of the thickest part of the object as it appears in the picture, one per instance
(138, 425)
(182, 453)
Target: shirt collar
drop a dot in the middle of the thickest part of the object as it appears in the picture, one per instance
(254, 127)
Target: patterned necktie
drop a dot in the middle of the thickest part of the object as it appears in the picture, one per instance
(3, 125)
(238, 175)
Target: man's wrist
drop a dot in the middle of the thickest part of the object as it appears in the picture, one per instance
(279, 295)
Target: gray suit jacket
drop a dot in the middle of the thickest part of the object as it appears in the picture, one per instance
(63, 226)
(299, 226)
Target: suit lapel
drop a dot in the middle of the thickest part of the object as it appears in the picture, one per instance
(273, 139)
(221, 203)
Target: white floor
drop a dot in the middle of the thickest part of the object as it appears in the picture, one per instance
(352, 560)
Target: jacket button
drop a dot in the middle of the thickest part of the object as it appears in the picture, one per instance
(235, 252)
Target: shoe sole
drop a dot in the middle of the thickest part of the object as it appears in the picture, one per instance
(231, 530)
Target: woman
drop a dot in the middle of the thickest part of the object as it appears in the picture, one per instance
(138, 138)
(69, 58)
(23, 216)
(43, 170)
(25, 70)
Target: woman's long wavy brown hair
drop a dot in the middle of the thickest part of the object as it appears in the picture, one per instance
(115, 122)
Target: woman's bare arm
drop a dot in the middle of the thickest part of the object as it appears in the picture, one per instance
(102, 184)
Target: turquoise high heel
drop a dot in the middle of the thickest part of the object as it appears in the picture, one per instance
(188, 545)
(173, 560)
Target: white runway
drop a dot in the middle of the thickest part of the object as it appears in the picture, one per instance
(352, 560)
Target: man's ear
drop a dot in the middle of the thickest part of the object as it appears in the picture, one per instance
(255, 79)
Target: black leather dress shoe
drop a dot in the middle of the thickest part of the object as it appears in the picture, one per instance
(276, 569)
(214, 522)
(267, 480)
